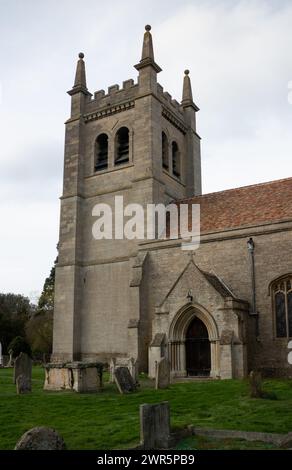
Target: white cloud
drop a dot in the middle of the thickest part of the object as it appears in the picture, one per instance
(240, 71)
(29, 234)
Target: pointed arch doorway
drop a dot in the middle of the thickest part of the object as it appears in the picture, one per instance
(193, 345)
(198, 349)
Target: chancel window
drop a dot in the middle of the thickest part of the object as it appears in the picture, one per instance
(122, 146)
(101, 152)
(165, 162)
(282, 299)
(175, 160)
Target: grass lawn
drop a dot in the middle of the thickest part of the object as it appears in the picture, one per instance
(108, 420)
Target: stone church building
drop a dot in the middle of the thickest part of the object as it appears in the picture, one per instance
(219, 311)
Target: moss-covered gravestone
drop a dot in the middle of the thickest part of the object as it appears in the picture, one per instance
(22, 366)
(256, 384)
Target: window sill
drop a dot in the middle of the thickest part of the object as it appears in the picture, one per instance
(175, 178)
(122, 166)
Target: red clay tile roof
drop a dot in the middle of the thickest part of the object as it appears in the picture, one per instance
(246, 206)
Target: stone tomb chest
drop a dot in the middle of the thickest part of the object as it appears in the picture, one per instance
(77, 376)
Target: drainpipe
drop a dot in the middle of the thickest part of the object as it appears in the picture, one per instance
(250, 247)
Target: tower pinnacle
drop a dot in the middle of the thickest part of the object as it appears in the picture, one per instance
(187, 95)
(147, 52)
(80, 77)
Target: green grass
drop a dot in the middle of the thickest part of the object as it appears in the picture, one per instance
(108, 420)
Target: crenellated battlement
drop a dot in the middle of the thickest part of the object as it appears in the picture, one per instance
(129, 92)
(168, 101)
(115, 95)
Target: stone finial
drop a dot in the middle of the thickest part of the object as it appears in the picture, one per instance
(187, 88)
(147, 52)
(187, 95)
(80, 77)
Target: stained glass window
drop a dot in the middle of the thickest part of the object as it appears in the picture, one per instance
(282, 292)
(280, 315)
(289, 307)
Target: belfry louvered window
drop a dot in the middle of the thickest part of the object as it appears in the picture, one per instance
(282, 301)
(122, 146)
(101, 152)
(175, 160)
(165, 159)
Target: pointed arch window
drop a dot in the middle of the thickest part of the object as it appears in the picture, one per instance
(165, 159)
(282, 303)
(101, 152)
(122, 146)
(175, 159)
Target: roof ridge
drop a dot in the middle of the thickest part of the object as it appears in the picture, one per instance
(213, 275)
(235, 189)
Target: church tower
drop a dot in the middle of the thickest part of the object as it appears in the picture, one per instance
(139, 143)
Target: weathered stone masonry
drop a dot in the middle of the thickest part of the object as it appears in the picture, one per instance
(130, 299)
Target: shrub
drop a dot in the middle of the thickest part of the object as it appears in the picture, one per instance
(19, 345)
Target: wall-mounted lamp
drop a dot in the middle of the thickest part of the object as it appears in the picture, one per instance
(189, 296)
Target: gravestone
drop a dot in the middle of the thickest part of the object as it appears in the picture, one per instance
(10, 363)
(155, 426)
(41, 438)
(131, 363)
(124, 380)
(162, 373)
(112, 369)
(255, 382)
(5, 360)
(23, 384)
(22, 366)
(78, 376)
(133, 367)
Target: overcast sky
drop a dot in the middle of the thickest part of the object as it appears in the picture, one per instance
(240, 57)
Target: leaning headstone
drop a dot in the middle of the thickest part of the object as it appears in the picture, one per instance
(22, 366)
(131, 363)
(41, 438)
(255, 382)
(133, 366)
(124, 380)
(155, 426)
(23, 384)
(162, 373)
